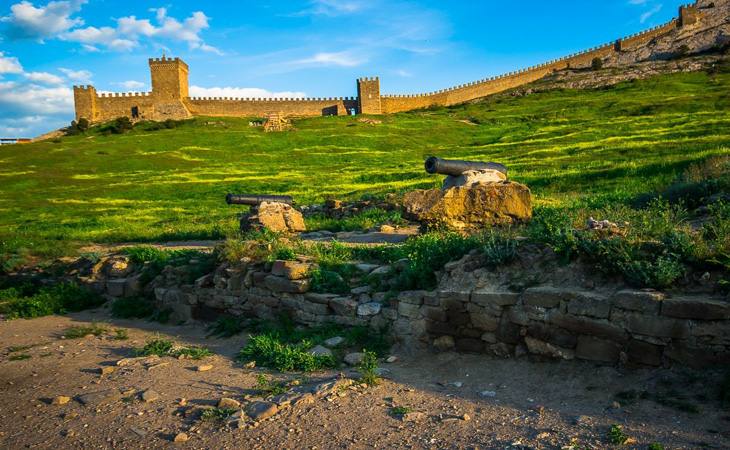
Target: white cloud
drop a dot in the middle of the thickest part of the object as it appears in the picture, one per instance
(403, 73)
(343, 59)
(43, 77)
(131, 85)
(644, 17)
(28, 21)
(9, 64)
(30, 99)
(235, 92)
(78, 76)
(129, 30)
(334, 8)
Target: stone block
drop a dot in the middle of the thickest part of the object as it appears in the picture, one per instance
(642, 301)
(494, 298)
(700, 308)
(717, 332)
(281, 284)
(655, 326)
(316, 297)
(508, 332)
(116, 287)
(293, 270)
(643, 353)
(489, 338)
(134, 286)
(431, 299)
(181, 313)
(368, 309)
(343, 306)
(409, 310)
(696, 357)
(434, 314)
(588, 326)
(595, 349)
(484, 321)
(457, 318)
(412, 297)
(259, 278)
(546, 296)
(390, 313)
(459, 296)
(314, 308)
(518, 316)
(590, 304)
(470, 345)
(538, 347)
(552, 335)
(440, 328)
(468, 332)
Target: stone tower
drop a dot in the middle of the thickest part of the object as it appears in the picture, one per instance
(688, 15)
(85, 102)
(169, 88)
(368, 96)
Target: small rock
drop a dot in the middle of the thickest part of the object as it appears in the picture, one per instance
(616, 405)
(466, 417)
(456, 384)
(250, 365)
(361, 290)
(391, 359)
(228, 403)
(106, 370)
(149, 396)
(367, 268)
(261, 410)
(382, 270)
(157, 366)
(354, 359)
(204, 367)
(444, 343)
(488, 394)
(180, 437)
(320, 350)
(60, 400)
(334, 341)
(368, 309)
(414, 416)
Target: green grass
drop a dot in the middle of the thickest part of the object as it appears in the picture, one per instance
(165, 347)
(268, 387)
(19, 357)
(29, 301)
(586, 148)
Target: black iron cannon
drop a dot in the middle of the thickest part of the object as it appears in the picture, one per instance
(255, 200)
(455, 167)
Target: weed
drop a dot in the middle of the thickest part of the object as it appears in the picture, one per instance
(165, 347)
(192, 352)
(616, 435)
(217, 414)
(132, 308)
(269, 387)
(268, 351)
(655, 446)
(368, 367)
(58, 299)
(19, 357)
(80, 331)
(20, 348)
(398, 411)
(499, 250)
(226, 326)
(120, 334)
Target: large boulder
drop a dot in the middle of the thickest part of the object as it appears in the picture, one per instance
(277, 217)
(470, 207)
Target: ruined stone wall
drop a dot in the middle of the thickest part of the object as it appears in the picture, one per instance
(111, 106)
(259, 107)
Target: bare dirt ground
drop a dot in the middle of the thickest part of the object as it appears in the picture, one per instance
(466, 401)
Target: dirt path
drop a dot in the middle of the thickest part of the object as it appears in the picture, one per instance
(466, 401)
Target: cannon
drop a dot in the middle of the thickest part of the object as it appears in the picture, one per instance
(255, 200)
(455, 167)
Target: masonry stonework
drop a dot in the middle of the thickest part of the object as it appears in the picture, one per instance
(170, 98)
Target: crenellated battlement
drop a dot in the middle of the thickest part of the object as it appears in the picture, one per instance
(169, 97)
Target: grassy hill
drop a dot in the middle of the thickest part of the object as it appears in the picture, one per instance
(574, 149)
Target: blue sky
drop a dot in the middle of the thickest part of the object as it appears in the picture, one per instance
(286, 48)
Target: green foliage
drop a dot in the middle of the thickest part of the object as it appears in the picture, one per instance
(616, 435)
(30, 302)
(165, 347)
(155, 259)
(655, 446)
(554, 227)
(398, 411)
(120, 125)
(499, 249)
(19, 357)
(132, 308)
(217, 414)
(268, 351)
(226, 326)
(80, 331)
(368, 367)
(266, 387)
(120, 334)
(328, 281)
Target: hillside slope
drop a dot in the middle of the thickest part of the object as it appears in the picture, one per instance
(572, 147)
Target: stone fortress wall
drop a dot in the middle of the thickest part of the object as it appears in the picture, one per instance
(170, 99)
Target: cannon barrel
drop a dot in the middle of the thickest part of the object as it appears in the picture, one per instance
(456, 167)
(253, 200)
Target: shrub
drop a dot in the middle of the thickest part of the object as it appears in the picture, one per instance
(554, 227)
(499, 250)
(29, 303)
(597, 64)
(328, 281)
(226, 326)
(217, 414)
(368, 367)
(268, 351)
(269, 387)
(658, 274)
(616, 435)
(398, 411)
(165, 347)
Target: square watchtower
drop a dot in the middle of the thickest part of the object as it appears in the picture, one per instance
(368, 96)
(169, 78)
